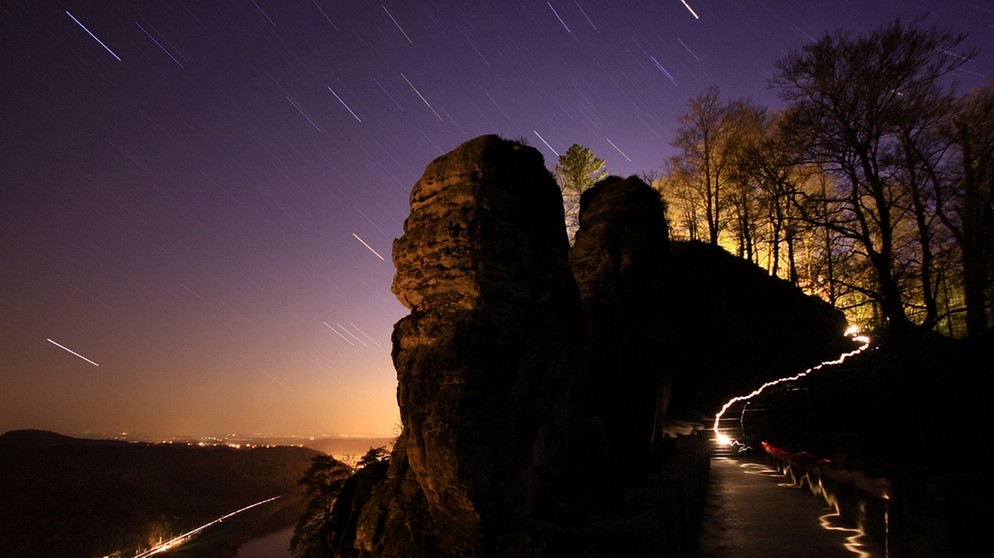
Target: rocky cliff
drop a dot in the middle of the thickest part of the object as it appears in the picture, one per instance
(483, 358)
(618, 260)
(533, 378)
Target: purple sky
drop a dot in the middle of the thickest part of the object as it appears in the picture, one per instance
(183, 192)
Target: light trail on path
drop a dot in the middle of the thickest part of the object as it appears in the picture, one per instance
(180, 539)
(852, 333)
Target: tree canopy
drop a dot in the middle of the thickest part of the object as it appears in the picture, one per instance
(875, 178)
(321, 484)
(577, 170)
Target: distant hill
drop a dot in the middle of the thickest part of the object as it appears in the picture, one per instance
(35, 439)
(69, 497)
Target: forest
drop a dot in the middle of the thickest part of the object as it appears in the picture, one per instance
(870, 188)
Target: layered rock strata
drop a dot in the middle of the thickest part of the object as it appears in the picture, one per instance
(533, 378)
(482, 359)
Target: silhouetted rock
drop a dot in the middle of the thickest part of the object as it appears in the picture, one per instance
(618, 259)
(732, 327)
(483, 357)
(533, 378)
(357, 490)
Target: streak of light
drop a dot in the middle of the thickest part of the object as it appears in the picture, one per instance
(343, 103)
(88, 295)
(302, 113)
(264, 14)
(94, 36)
(619, 150)
(559, 18)
(129, 156)
(496, 104)
(371, 340)
(352, 335)
(191, 291)
(806, 35)
(67, 349)
(692, 12)
(586, 16)
(325, 15)
(368, 246)
(158, 44)
(852, 333)
(271, 377)
(453, 121)
(422, 96)
(368, 220)
(346, 339)
(397, 24)
(478, 53)
(954, 55)
(688, 49)
(546, 143)
(179, 540)
(389, 95)
(292, 218)
(662, 69)
(852, 543)
(324, 366)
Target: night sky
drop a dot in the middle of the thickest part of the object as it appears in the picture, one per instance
(198, 198)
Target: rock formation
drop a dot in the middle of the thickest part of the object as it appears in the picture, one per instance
(618, 260)
(483, 357)
(532, 378)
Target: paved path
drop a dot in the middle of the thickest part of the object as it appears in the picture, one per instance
(753, 512)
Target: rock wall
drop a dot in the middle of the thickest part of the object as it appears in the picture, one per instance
(533, 378)
(618, 260)
(483, 357)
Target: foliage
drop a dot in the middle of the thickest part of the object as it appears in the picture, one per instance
(860, 108)
(701, 177)
(374, 455)
(321, 483)
(578, 169)
(874, 182)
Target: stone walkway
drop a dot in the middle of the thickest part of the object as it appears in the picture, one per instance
(753, 512)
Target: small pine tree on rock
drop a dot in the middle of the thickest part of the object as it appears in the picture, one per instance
(578, 169)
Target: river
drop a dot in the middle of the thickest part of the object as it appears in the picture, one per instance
(273, 545)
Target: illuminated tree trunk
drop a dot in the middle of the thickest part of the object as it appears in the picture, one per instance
(967, 207)
(846, 111)
(709, 138)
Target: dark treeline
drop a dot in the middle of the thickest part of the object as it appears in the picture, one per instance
(871, 188)
(67, 497)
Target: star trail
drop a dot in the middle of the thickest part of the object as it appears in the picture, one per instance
(184, 184)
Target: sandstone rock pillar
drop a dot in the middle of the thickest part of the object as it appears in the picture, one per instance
(484, 357)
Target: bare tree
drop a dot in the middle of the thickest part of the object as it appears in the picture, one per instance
(700, 176)
(774, 167)
(846, 111)
(966, 206)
